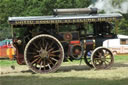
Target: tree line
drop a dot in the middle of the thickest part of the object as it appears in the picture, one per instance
(11, 8)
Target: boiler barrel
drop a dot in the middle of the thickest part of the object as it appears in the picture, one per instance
(75, 11)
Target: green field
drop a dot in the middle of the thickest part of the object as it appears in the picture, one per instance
(118, 58)
(70, 73)
(121, 58)
(37, 80)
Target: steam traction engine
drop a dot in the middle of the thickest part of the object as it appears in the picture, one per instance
(44, 42)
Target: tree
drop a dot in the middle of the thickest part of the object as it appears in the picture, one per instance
(11, 8)
(123, 25)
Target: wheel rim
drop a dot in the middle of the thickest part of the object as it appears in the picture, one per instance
(102, 58)
(87, 59)
(44, 54)
(74, 55)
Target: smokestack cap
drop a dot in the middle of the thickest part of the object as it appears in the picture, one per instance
(93, 10)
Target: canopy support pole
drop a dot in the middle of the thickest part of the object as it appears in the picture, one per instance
(116, 26)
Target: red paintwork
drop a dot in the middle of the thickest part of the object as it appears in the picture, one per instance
(19, 57)
(75, 42)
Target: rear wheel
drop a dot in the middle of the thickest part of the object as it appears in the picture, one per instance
(44, 54)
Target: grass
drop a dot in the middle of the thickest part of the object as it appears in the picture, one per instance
(36, 80)
(70, 74)
(4, 63)
(115, 76)
(121, 58)
(118, 58)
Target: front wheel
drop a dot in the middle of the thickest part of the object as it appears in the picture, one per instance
(44, 53)
(102, 58)
(87, 58)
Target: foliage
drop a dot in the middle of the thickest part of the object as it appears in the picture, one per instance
(123, 25)
(11, 8)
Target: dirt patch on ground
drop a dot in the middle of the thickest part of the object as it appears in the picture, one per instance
(13, 69)
(24, 70)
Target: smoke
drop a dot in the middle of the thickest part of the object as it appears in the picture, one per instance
(107, 6)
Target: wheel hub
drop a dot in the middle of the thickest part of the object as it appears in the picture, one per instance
(43, 53)
(103, 58)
